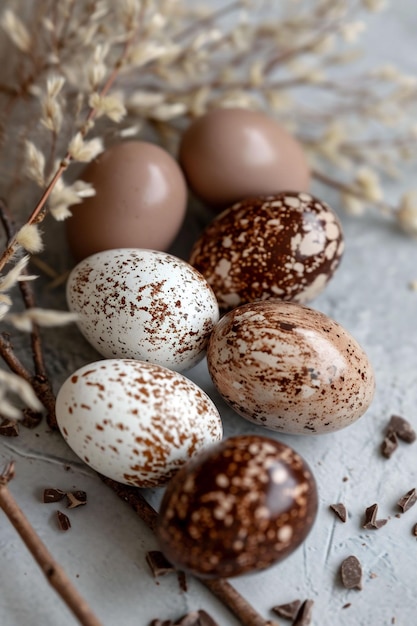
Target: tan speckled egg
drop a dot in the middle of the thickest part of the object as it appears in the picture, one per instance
(233, 153)
(140, 201)
(282, 247)
(289, 368)
(237, 507)
(143, 304)
(135, 422)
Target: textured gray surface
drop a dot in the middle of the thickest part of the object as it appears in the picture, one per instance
(104, 552)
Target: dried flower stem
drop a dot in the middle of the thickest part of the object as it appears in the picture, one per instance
(54, 573)
(349, 189)
(38, 212)
(40, 381)
(222, 589)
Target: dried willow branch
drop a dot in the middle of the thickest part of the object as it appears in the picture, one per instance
(52, 570)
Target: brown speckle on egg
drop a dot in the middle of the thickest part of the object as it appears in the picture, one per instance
(289, 368)
(282, 247)
(238, 506)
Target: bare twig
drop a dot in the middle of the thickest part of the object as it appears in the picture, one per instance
(222, 589)
(53, 572)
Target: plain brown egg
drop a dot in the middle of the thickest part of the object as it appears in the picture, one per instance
(231, 154)
(140, 201)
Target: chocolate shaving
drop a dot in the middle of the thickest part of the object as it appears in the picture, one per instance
(53, 495)
(76, 498)
(389, 445)
(287, 611)
(340, 510)
(160, 566)
(303, 617)
(9, 428)
(370, 518)
(182, 581)
(351, 573)
(206, 619)
(63, 521)
(194, 618)
(402, 428)
(347, 605)
(414, 530)
(407, 500)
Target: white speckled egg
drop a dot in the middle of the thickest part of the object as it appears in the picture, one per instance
(289, 368)
(143, 304)
(281, 247)
(135, 422)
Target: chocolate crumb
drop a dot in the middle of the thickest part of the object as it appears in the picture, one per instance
(340, 510)
(76, 498)
(402, 428)
(370, 518)
(63, 521)
(345, 479)
(53, 495)
(407, 500)
(9, 428)
(389, 445)
(160, 566)
(206, 619)
(287, 611)
(351, 573)
(347, 605)
(191, 619)
(182, 581)
(414, 530)
(304, 614)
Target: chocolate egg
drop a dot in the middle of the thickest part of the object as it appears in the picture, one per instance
(140, 201)
(289, 368)
(282, 247)
(238, 506)
(230, 154)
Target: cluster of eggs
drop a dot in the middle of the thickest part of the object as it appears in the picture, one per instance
(244, 503)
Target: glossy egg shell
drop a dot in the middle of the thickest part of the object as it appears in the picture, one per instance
(143, 304)
(140, 201)
(232, 153)
(237, 507)
(282, 247)
(135, 422)
(290, 368)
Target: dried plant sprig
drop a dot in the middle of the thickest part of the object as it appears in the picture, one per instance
(52, 570)
(19, 387)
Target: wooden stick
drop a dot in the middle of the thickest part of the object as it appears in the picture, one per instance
(53, 572)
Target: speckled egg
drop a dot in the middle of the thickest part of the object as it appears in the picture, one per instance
(290, 368)
(232, 153)
(282, 247)
(139, 202)
(135, 422)
(239, 506)
(143, 304)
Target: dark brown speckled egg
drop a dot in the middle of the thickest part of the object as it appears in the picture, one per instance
(290, 368)
(237, 507)
(281, 247)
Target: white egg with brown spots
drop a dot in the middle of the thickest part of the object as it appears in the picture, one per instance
(281, 247)
(135, 422)
(143, 304)
(290, 368)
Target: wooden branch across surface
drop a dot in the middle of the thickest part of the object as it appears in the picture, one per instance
(52, 570)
